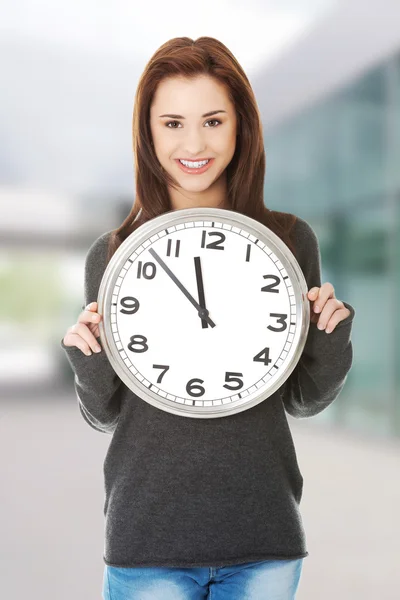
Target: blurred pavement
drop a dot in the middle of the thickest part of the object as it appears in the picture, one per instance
(52, 506)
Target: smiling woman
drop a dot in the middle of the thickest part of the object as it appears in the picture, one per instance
(198, 142)
(200, 505)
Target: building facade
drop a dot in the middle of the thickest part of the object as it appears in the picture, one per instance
(335, 161)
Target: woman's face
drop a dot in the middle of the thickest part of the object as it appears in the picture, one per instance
(185, 133)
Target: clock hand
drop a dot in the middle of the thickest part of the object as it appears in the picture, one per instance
(200, 287)
(202, 312)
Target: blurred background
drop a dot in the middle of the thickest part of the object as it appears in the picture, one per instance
(326, 75)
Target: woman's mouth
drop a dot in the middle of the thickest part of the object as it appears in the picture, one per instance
(194, 168)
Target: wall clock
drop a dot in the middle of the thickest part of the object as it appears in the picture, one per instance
(205, 312)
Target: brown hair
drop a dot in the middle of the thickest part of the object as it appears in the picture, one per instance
(189, 58)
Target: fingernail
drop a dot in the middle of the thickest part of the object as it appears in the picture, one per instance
(97, 349)
(88, 353)
(320, 326)
(94, 317)
(316, 309)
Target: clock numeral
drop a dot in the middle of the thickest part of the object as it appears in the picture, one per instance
(129, 309)
(263, 357)
(177, 247)
(141, 342)
(212, 245)
(229, 377)
(149, 270)
(191, 386)
(281, 319)
(270, 286)
(161, 375)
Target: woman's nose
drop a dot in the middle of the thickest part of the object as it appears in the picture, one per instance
(194, 144)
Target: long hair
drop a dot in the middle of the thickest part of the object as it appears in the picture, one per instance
(183, 56)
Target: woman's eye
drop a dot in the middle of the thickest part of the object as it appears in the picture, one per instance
(214, 120)
(210, 121)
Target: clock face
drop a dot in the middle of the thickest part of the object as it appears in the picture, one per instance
(203, 316)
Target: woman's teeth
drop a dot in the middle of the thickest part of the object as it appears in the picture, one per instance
(194, 165)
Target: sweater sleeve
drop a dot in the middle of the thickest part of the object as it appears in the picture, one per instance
(322, 369)
(95, 382)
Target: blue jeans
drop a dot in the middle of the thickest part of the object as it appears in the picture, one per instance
(261, 580)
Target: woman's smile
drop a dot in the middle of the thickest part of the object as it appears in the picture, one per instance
(194, 170)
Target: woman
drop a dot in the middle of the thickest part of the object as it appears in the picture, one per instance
(204, 508)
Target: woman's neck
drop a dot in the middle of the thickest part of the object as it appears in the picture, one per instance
(214, 197)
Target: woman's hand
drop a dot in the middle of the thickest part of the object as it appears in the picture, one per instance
(84, 332)
(331, 310)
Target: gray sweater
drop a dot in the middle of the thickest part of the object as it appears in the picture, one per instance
(193, 492)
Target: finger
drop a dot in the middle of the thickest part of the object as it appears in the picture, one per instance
(91, 306)
(89, 316)
(87, 336)
(313, 293)
(329, 309)
(339, 315)
(75, 340)
(326, 292)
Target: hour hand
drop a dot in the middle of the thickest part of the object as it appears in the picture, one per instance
(202, 312)
(200, 287)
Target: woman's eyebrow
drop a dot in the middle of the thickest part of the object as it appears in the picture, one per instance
(208, 114)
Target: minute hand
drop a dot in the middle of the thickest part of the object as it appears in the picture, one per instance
(202, 312)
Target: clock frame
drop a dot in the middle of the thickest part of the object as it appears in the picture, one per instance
(211, 303)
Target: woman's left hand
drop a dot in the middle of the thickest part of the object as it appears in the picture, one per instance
(327, 310)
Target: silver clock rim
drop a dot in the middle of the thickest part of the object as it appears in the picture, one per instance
(171, 219)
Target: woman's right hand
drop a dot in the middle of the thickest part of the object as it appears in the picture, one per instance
(83, 333)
